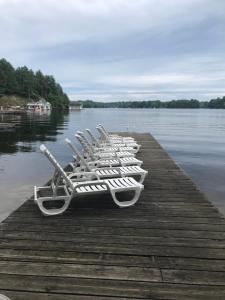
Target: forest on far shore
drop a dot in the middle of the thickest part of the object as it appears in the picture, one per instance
(183, 103)
(29, 85)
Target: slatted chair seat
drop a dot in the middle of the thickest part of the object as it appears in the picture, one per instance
(108, 162)
(120, 138)
(113, 154)
(121, 184)
(130, 169)
(129, 161)
(107, 172)
(115, 149)
(124, 161)
(116, 184)
(90, 188)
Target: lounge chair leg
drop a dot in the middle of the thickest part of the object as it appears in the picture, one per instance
(143, 175)
(138, 148)
(129, 202)
(53, 211)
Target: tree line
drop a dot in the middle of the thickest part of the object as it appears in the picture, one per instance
(31, 85)
(183, 103)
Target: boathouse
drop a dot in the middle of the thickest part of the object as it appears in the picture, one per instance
(40, 105)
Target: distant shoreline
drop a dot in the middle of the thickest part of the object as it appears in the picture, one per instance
(170, 108)
(218, 103)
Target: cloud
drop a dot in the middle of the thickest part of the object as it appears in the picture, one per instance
(115, 47)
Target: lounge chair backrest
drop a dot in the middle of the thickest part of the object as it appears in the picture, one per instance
(103, 128)
(87, 148)
(79, 155)
(102, 133)
(95, 141)
(57, 166)
(86, 140)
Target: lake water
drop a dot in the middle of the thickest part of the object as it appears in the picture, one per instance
(195, 138)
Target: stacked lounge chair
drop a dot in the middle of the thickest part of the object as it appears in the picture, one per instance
(114, 138)
(105, 166)
(103, 152)
(133, 146)
(103, 172)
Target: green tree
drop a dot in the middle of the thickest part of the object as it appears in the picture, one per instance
(25, 79)
(217, 103)
(7, 78)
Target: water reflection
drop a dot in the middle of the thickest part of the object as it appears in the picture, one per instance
(31, 127)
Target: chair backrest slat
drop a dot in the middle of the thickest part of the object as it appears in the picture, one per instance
(93, 137)
(103, 128)
(100, 130)
(84, 138)
(85, 145)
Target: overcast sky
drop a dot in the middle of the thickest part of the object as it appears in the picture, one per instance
(120, 49)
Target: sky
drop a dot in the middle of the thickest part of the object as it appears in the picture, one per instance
(110, 50)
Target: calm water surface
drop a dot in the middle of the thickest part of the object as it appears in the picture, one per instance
(194, 138)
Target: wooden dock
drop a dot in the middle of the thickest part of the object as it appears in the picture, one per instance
(171, 245)
(13, 112)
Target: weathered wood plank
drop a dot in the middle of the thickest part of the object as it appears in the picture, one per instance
(161, 212)
(103, 230)
(66, 237)
(187, 263)
(194, 277)
(18, 295)
(143, 250)
(77, 257)
(116, 288)
(81, 271)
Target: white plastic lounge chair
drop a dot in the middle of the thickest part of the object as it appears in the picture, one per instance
(116, 136)
(110, 162)
(106, 172)
(115, 139)
(73, 189)
(100, 154)
(106, 161)
(3, 297)
(97, 143)
(114, 148)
